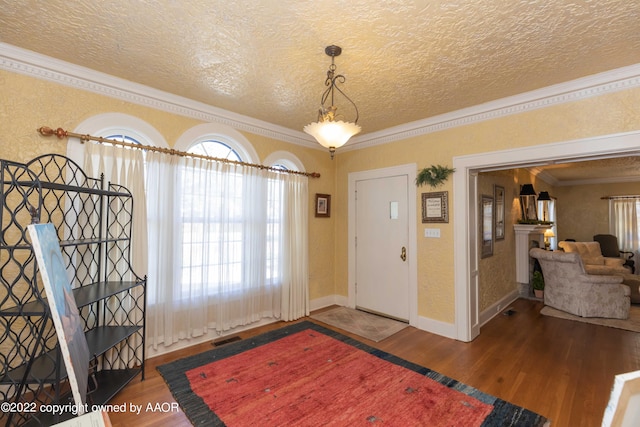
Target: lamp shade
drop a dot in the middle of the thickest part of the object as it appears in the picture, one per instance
(527, 190)
(332, 134)
(528, 203)
(544, 195)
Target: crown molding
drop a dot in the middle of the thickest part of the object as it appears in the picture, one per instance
(574, 90)
(545, 176)
(43, 67)
(594, 181)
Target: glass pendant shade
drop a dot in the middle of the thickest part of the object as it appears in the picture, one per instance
(332, 134)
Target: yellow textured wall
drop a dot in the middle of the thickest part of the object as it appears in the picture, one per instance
(435, 256)
(599, 115)
(28, 103)
(581, 211)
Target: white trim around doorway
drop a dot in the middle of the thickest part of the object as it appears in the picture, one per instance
(593, 148)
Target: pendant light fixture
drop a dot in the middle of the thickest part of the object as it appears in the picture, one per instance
(330, 131)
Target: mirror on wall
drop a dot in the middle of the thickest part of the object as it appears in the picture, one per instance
(498, 226)
(486, 226)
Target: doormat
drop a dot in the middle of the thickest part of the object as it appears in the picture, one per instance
(307, 375)
(366, 325)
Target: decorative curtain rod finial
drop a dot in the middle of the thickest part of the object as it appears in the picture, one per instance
(47, 131)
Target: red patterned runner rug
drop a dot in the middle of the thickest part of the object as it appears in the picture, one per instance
(312, 379)
(306, 375)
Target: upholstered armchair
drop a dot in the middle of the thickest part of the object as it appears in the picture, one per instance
(610, 248)
(568, 287)
(594, 261)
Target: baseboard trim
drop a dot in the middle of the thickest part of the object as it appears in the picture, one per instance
(498, 307)
(426, 324)
(327, 301)
(438, 327)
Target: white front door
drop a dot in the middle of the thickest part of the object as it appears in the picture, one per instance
(382, 246)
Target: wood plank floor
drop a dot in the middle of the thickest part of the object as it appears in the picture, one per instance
(558, 368)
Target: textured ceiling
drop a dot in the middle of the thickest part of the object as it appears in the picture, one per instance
(621, 169)
(403, 60)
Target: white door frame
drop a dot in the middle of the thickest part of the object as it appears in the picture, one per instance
(464, 235)
(412, 248)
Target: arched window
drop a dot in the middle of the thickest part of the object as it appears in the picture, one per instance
(218, 206)
(216, 149)
(211, 202)
(285, 160)
(220, 245)
(111, 124)
(213, 136)
(122, 136)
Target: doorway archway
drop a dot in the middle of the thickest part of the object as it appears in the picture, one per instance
(465, 203)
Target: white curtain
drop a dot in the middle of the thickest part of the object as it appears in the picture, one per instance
(624, 224)
(227, 246)
(164, 270)
(124, 167)
(295, 268)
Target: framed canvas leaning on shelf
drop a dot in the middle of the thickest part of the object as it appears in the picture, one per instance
(63, 308)
(623, 409)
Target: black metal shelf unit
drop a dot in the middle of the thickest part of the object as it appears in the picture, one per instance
(94, 223)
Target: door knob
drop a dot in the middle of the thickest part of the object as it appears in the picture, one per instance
(403, 254)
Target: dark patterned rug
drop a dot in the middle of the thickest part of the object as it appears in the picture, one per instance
(306, 375)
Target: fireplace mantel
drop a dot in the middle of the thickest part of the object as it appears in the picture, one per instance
(526, 233)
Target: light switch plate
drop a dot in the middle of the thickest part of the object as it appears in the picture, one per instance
(431, 232)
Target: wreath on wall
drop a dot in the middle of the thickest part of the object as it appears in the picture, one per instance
(434, 175)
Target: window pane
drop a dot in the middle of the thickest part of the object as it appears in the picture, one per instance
(215, 149)
(212, 228)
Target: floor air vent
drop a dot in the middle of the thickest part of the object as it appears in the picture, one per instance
(226, 340)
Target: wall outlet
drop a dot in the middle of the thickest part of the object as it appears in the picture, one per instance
(431, 232)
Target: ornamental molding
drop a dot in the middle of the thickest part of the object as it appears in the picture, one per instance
(40, 66)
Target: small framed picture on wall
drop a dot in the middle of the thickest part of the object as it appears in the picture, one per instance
(323, 205)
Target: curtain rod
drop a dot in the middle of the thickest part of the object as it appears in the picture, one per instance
(61, 133)
(619, 197)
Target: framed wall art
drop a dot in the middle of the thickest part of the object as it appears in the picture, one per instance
(435, 207)
(323, 205)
